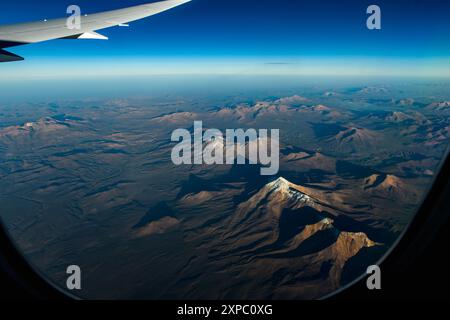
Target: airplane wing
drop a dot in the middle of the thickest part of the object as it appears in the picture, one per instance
(26, 33)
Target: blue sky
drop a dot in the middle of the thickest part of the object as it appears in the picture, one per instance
(244, 37)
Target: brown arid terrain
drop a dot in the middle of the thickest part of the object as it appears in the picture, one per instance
(92, 183)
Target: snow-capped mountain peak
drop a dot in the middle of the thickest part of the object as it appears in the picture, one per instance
(288, 189)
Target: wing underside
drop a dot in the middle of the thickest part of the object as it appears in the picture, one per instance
(25, 33)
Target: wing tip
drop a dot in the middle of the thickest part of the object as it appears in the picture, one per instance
(6, 56)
